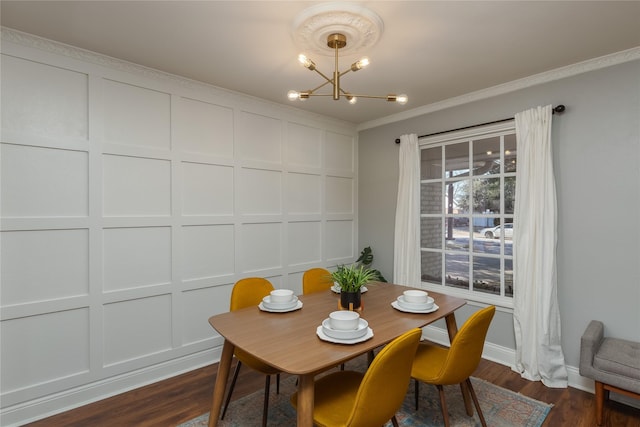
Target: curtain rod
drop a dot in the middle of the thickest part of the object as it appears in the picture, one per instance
(559, 109)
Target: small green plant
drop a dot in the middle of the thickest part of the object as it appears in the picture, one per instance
(352, 278)
(366, 259)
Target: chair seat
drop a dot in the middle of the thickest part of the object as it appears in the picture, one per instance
(619, 357)
(334, 411)
(428, 363)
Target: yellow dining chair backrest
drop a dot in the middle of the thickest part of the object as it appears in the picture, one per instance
(316, 280)
(249, 292)
(466, 349)
(385, 383)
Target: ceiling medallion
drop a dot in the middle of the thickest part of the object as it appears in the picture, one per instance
(361, 26)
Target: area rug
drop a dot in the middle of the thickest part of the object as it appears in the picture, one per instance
(501, 408)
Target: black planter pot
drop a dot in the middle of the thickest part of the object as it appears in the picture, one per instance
(350, 300)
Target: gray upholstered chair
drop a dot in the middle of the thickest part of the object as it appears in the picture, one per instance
(613, 363)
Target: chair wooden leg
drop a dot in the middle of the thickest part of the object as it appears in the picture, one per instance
(265, 409)
(443, 404)
(417, 392)
(233, 384)
(475, 402)
(277, 383)
(600, 396)
(394, 421)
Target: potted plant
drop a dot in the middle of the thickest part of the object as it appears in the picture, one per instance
(351, 279)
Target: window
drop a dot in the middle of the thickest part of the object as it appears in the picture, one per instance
(467, 188)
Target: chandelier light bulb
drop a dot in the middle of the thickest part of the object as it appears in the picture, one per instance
(402, 99)
(352, 99)
(306, 62)
(293, 95)
(360, 64)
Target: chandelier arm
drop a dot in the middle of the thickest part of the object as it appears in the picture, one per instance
(322, 85)
(344, 72)
(323, 76)
(371, 96)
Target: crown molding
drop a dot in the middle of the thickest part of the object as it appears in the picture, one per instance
(537, 79)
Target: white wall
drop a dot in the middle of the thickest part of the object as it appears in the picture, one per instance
(132, 201)
(596, 150)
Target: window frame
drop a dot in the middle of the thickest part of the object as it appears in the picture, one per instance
(461, 136)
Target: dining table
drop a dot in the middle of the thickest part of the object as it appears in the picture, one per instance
(289, 341)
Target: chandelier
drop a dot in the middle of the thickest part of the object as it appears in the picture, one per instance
(331, 24)
(336, 41)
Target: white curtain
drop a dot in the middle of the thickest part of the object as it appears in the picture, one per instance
(406, 255)
(536, 315)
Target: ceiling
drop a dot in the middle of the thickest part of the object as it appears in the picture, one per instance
(430, 50)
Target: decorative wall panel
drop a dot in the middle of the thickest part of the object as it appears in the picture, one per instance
(135, 186)
(339, 152)
(304, 146)
(304, 194)
(34, 268)
(136, 257)
(198, 305)
(44, 182)
(207, 251)
(136, 328)
(136, 116)
(204, 128)
(339, 235)
(207, 189)
(305, 242)
(261, 246)
(339, 195)
(260, 138)
(44, 348)
(44, 100)
(260, 192)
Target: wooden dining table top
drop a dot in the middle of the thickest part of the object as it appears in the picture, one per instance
(288, 341)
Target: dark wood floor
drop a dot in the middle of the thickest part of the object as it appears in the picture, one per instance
(187, 396)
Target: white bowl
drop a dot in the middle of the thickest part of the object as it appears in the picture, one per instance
(279, 296)
(360, 331)
(428, 305)
(415, 297)
(344, 320)
(270, 304)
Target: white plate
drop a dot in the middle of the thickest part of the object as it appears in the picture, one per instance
(325, 337)
(336, 289)
(266, 301)
(397, 306)
(341, 334)
(415, 306)
(298, 306)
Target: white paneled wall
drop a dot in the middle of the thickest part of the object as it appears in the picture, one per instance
(131, 201)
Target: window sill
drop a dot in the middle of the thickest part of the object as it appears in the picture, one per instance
(505, 303)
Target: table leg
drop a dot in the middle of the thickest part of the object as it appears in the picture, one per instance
(452, 329)
(305, 400)
(221, 382)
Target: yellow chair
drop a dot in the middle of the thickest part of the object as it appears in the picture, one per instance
(454, 365)
(247, 293)
(348, 398)
(316, 280)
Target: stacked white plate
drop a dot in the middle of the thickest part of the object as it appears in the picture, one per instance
(362, 333)
(427, 307)
(268, 305)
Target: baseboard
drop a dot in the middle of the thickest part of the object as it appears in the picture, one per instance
(506, 356)
(47, 406)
